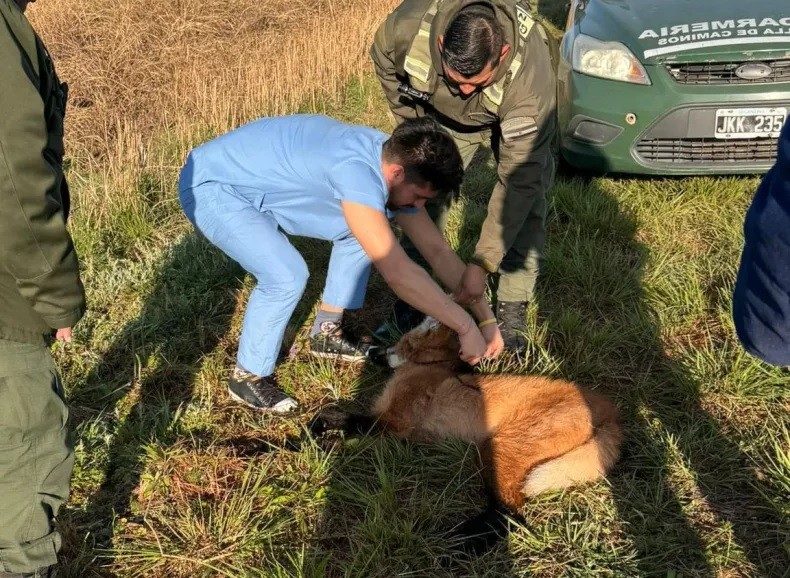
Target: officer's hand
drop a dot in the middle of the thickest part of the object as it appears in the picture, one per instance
(472, 286)
(473, 345)
(63, 334)
(494, 339)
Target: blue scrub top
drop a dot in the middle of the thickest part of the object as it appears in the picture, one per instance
(297, 168)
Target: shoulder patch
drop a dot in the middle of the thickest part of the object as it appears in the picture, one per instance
(517, 127)
(525, 21)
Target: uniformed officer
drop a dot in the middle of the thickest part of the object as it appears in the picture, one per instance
(315, 177)
(41, 296)
(483, 69)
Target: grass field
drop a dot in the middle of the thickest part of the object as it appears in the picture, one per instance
(173, 479)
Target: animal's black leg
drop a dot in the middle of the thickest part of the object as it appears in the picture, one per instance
(359, 424)
(479, 534)
(334, 419)
(251, 447)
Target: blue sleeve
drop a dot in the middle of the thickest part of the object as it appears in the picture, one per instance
(358, 182)
(761, 301)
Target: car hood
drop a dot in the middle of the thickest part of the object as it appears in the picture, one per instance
(689, 29)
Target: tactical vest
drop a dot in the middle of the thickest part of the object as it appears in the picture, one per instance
(422, 76)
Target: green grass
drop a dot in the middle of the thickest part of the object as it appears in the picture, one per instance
(173, 479)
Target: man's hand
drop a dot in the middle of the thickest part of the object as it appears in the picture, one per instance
(63, 334)
(473, 345)
(472, 286)
(494, 339)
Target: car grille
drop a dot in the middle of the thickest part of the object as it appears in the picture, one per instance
(724, 72)
(707, 150)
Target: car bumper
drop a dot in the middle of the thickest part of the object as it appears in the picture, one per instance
(665, 128)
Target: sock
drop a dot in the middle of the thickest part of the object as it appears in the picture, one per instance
(240, 373)
(326, 321)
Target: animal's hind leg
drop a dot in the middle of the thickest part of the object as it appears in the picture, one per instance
(504, 471)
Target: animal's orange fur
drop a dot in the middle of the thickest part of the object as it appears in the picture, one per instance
(534, 433)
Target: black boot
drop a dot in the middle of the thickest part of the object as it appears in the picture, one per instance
(512, 319)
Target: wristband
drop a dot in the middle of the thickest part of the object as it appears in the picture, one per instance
(486, 322)
(483, 263)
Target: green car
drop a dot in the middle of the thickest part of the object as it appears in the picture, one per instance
(674, 86)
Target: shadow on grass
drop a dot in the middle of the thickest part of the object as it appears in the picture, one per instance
(604, 332)
(602, 329)
(391, 506)
(140, 386)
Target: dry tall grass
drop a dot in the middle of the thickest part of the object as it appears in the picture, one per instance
(138, 69)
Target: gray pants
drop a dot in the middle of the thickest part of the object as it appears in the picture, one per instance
(519, 269)
(36, 456)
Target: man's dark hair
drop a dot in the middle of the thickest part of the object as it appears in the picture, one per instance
(473, 39)
(427, 153)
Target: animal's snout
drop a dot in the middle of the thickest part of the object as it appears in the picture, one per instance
(385, 356)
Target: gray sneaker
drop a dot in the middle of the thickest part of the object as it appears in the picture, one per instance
(335, 344)
(257, 392)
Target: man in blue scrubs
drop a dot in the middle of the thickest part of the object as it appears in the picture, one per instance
(761, 303)
(312, 176)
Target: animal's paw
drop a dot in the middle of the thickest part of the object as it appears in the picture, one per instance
(335, 419)
(330, 418)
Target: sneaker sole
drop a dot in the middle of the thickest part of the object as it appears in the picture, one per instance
(344, 357)
(235, 397)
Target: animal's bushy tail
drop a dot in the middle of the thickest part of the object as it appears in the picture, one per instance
(585, 463)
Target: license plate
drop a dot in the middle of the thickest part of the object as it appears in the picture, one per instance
(749, 122)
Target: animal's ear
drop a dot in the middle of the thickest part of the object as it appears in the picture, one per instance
(447, 338)
(438, 344)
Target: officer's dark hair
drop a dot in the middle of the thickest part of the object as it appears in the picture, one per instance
(473, 40)
(427, 153)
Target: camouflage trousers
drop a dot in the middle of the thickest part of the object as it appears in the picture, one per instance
(36, 457)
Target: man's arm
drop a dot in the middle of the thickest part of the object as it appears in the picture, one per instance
(382, 52)
(449, 268)
(409, 281)
(36, 249)
(439, 255)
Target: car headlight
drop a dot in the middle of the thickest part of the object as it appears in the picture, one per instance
(611, 60)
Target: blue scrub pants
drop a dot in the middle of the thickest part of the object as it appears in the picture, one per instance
(253, 238)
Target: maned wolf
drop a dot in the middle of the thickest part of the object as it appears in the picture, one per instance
(534, 433)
